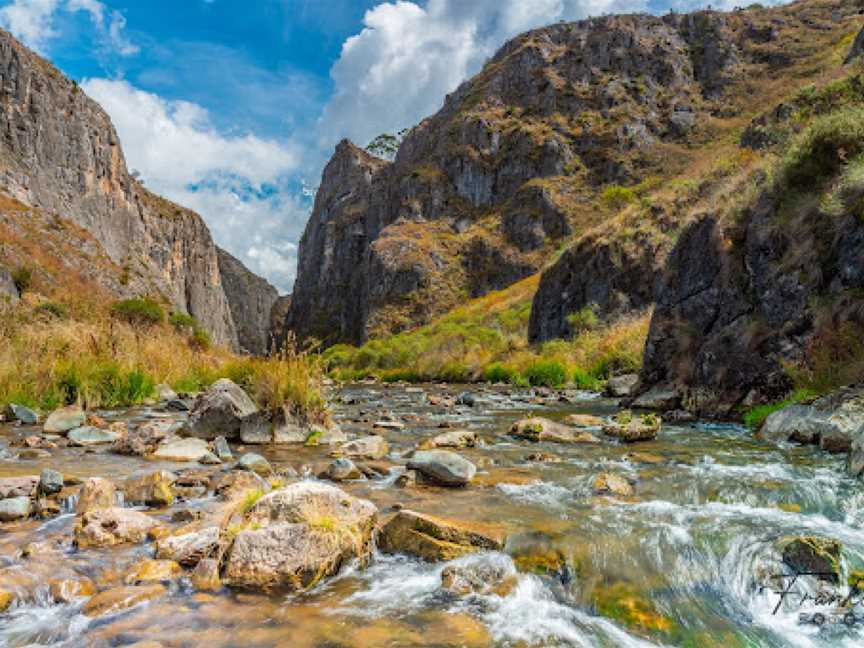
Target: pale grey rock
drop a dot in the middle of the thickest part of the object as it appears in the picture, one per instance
(219, 411)
(443, 467)
(15, 508)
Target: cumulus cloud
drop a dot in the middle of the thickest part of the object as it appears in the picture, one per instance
(408, 56)
(239, 183)
(33, 22)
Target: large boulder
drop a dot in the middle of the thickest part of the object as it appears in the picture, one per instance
(182, 450)
(832, 422)
(146, 438)
(220, 411)
(191, 547)
(60, 421)
(542, 429)
(452, 439)
(112, 526)
(283, 426)
(813, 555)
(88, 435)
(630, 429)
(96, 493)
(370, 447)
(622, 386)
(436, 539)
(295, 536)
(18, 486)
(15, 508)
(154, 489)
(442, 467)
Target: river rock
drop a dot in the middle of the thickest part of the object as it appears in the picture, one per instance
(542, 429)
(112, 526)
(370, 447)
(70, 590)
(660, 398)
(282, 426)
(190, 449)
(222, 449)
(833, 422)
(254, 463)
(146, 438)
(467, 399)
(205, 577)
(64, 419)
(814, 555)
(121, 598)
(298, 535)
(15, 508)
(584, 421)
(50, 482)
(153, 571)
(23, 414)
(191, 547)
(622, 386)
(96, 493)
(389, 425)
(452, 439)
(228, 486)
(442, 467)
(341, 469)
(155, 489)
(165, 393)
(220, 411)
(90, 436)
(631, 429)
(612, 484)
(484, 575)
(436, 539)
(18, 486)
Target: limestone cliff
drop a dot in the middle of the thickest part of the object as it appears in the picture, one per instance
(251, 300)
(60, 154)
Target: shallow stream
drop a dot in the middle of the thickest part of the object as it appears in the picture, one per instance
(687, 561)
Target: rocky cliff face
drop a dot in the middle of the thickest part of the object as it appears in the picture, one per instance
(251, 300)
(481, 194)
(714, 63)
(767, 295)
(59, 153)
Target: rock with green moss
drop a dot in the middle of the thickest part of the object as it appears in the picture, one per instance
(542, 429)
(294, 537)
(630, 429)
(813, 555)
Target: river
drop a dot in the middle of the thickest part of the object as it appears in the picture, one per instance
(688, 560)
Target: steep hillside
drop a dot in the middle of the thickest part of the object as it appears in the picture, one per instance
(764, 294)
(562, 128)
(60, 154)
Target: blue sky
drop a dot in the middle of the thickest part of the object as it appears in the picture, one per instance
(232, 107)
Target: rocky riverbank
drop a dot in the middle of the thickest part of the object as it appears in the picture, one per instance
(420, 515)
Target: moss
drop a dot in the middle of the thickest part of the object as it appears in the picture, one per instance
(624, 603)
(250, 500)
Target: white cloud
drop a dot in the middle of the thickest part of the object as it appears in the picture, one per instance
(33, 22)
(407, 57)
(239, 184)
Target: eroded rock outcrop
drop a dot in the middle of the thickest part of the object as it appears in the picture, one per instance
(251, 301)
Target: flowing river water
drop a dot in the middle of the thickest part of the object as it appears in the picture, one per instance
(684, 561)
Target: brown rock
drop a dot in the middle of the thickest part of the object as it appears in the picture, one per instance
(205, 576)
(121, 598)
(112, 526)
(612, 484)
(96, 493)
(68, 590)
(436, 539)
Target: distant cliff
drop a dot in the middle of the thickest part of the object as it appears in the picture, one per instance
(251, 300)
(60, 153)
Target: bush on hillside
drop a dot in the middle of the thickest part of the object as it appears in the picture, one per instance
(139, 311)
(546, 373)
(22, 277)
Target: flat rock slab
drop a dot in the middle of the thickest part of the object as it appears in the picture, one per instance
(15, 508)
(90, 436)
(121, 598)
(443, 467)
(64, 419)
(18, 486)
(538, 429)
(182, 450)
(437, 539)
(113, 526)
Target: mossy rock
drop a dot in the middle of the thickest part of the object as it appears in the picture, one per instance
(813, 555)
(856, 580)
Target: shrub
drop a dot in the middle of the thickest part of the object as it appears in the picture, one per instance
(618, 197)
(22, 277)
(200, 339)
(831, 142)
(181, 321)
(585, 319)
(500, 373)
(584, 380)
(139, 311)
(52, 309)
(546, 373)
